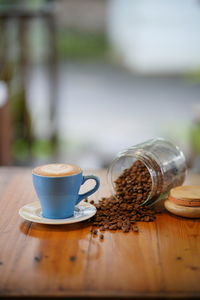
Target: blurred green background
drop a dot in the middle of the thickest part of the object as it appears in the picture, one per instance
(81, 80)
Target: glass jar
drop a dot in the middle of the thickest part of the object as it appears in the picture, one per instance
(164, 161)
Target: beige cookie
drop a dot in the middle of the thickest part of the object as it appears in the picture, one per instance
(183, 211)
(188, 195)
(185, 202)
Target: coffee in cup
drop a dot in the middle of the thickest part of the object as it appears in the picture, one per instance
(56, 170)
(57, 187)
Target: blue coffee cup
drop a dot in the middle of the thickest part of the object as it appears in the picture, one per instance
(59, 195)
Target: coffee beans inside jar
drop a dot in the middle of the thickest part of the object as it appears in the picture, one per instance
(124, 209)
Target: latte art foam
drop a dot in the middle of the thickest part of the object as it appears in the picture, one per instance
(56, 170)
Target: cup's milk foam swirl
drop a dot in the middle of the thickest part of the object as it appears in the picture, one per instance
(56, 170)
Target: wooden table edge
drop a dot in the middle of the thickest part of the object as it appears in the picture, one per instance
(106, 294)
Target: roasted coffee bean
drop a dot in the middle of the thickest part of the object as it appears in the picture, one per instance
(135, 228)
(112, 227)
(123, 209)
(125, 229)
(101, 236)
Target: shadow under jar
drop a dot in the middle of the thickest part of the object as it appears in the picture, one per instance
(164, 161)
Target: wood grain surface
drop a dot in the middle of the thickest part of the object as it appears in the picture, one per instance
(161, 261)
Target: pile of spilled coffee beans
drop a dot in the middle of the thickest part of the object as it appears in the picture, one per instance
(122, 211)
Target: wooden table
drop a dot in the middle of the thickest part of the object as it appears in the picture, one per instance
(161, 261)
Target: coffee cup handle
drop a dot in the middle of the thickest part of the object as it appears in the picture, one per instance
(93, 190)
